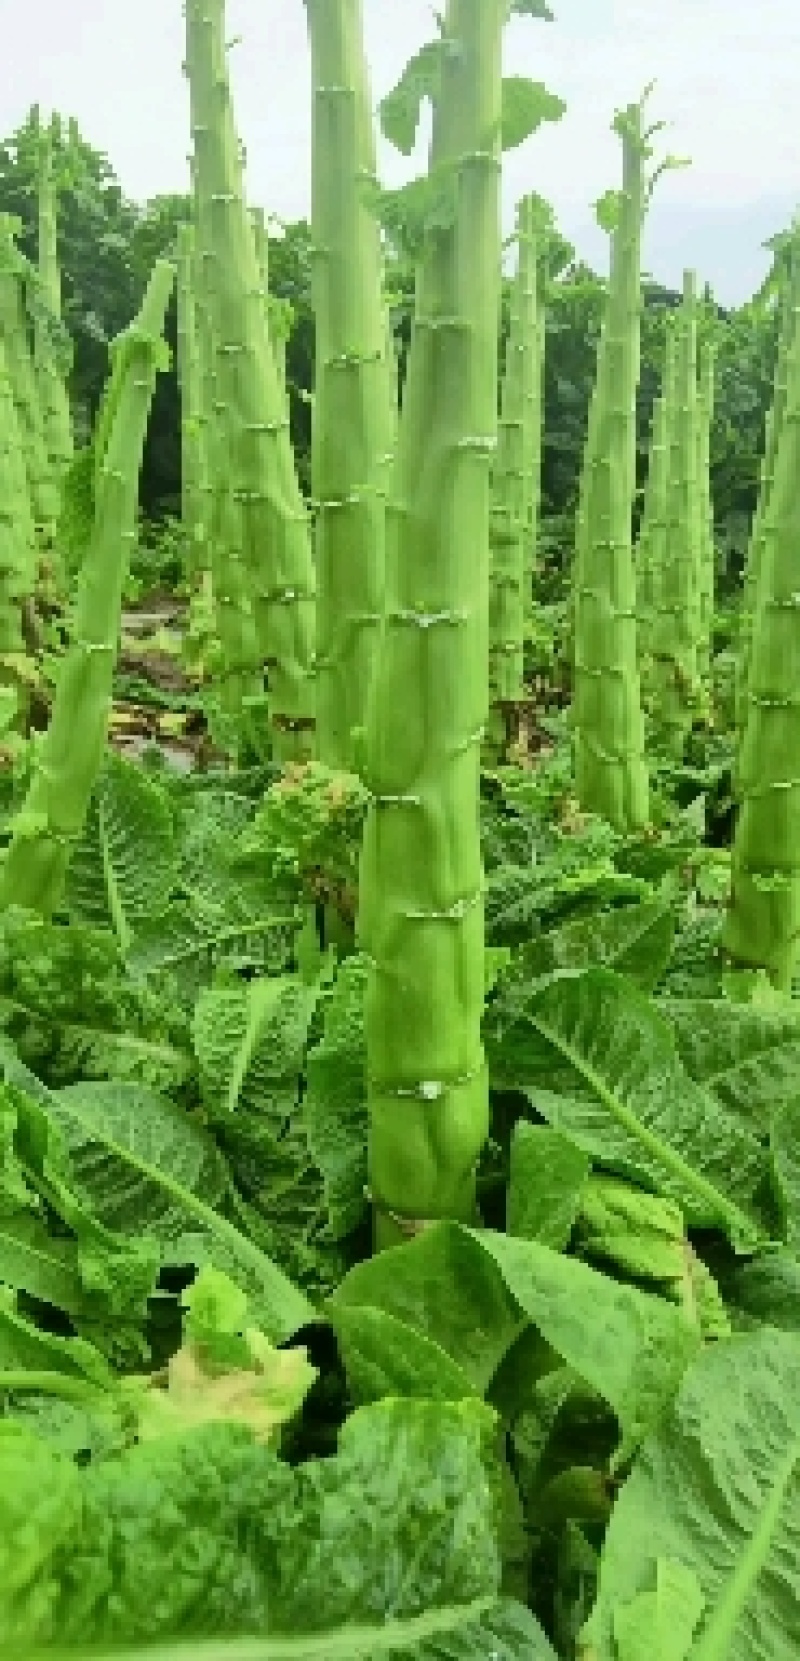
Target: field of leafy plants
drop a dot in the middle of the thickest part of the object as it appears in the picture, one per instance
(399, 1025)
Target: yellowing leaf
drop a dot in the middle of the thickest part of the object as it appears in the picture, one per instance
(262, 1399)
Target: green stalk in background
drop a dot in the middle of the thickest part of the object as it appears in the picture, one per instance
(48, 347)
(678, 616)
(194, 471)
(279, 312)
(421, 886)
(541, 222)
(263, 525)
(68, 761)
(223, 603)
(610, 771)
(393, 388)
(17, 544)
(512, 497)
(421, 906)
(763, 923)
(652, 543)
(788, 253)
(705, 505)
(351, 433)
(208, 628)
(513, 492)
(44, 494)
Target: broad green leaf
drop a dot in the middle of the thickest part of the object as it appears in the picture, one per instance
(630, 1347)
(707, 1526)
(562, 1420)
(526, 105)
(92, 1053)
(137, 1157)
(444, 1287)
(471, 1292)
(187, 941)
(490, 1627)
(126, 863)
(413, 209)
(547, 1177)
(635, 940)
(765, 1292)
(661, 1622)
(595, 1057)
(531, 8)
(250, 1041)
(388, 1547)
(69, 1007)
(116, 1276)
(400, 111)
(32, 1261)
(747, 1054)
(145, 1167)
(607, 211)
(386, 1357)
(613, 1211)
(26, 1348)
(334, 1105)
(785, 1142)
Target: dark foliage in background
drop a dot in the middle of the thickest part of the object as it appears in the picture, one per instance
(108, 245)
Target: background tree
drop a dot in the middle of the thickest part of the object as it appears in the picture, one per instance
(108, 245)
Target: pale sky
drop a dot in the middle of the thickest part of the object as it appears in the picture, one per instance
(728, 85)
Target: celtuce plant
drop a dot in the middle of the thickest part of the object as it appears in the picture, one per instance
(421, 908)
(260, 519)
(512, 495)
(194, 468)
(678, 614)
(651, 547)
(49, 333)
(68, 759)
(421, 884)
(610, 771)
(17, 546)
(559, 1434)
(705, 506)
(788, 252)
(352, 414)
(541, 223)
(278, 311)
(44, 493)
(763, 922)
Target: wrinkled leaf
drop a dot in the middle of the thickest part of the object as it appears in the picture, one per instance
(716, 1491)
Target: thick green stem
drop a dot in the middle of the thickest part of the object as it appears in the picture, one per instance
(352, 415)
(512, 494)
(678, 612)
(763, 923)
(610, 771)
(68, 762)
(17, 545)
(44, 493)
(263, 521)
(535, 407)
(790, 299)
(194, 470)
(421, 917)
(705, 506)
(278, 311)
(57, 419)
(651, 549)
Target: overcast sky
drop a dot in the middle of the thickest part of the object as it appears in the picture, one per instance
(728, 84)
